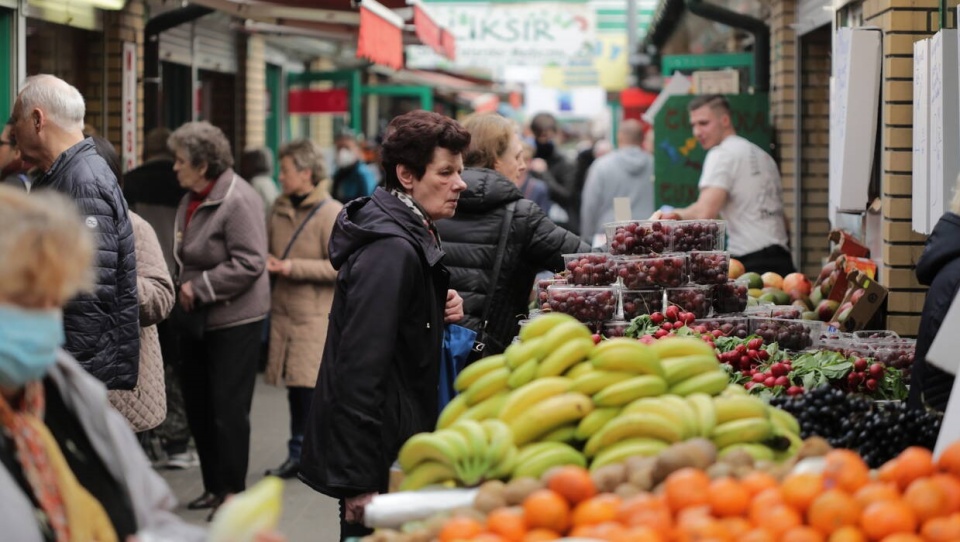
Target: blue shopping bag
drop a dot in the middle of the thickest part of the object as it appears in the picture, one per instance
(457, 344)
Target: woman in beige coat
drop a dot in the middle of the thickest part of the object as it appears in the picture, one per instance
(299, 231)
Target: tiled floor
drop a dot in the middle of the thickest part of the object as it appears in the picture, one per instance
(307, 516)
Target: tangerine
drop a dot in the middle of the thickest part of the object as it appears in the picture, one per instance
(645, 510)
(488, 537)
(949, 461)
(847, 534)
(833, 510)
(596, 510)
(572, 483)
(756, 481)
(802, 534)
(902, 537)
(799, 490)
(885, 518)
(600, 531)
(927, 498)
(508, 523)
(545, 509)
(779, 519)
(685, 488)
(845, 469)
(460, 528)
(945, 529)
(638, 534)
(757, 535)
(728, 498)
(765, 500)
(914, 462)
(540, 535)
(951, 487)
(876, 492)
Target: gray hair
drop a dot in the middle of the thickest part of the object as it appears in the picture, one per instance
(306, 155)
(203, 143)
(60, 101)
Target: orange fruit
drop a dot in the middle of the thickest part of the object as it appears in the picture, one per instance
(847, 534)
(572, 483)
(763, 501)
(884, 518)
(728, 498)
(460, 528)
(600, 531)
(545, 509)
(914, 462)
(927, 499)
(833, 510)
(540, 535)
(799, 490)
(737, 527)
(508, 523)
(951, 487)
(945, 529)
(779, 519)
(757, 535)
(488, 537)
(646, 510)
(638, 534)
(756, 481)
(876, 492)
(845, 469)
(949, 461)
(902, 537)
(595, 510)
(685, 488)
(802, 534)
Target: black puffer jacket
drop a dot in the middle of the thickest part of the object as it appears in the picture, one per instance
(470, 243)
(939, 268)
(380, 369)
(102, 328)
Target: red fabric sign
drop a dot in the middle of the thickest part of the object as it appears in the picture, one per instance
(449, 45)
(318, 101)
(379, 41)
(428, 32)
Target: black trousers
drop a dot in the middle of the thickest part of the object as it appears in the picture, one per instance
(299, 400)
(772, 258)
(218, 376)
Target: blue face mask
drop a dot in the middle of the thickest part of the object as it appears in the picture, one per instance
(28, 343)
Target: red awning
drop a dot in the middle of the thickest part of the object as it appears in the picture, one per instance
(448, 44)
(381, 36)
(427, 31)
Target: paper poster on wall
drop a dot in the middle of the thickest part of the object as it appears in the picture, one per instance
(944, 122)
(921, 137)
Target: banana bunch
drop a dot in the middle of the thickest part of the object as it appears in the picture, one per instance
(747, 423)
(690, 366)
(468, 452)
(535, 459)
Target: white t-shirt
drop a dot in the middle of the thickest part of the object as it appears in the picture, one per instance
(754, 209)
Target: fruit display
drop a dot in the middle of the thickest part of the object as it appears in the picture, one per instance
(897, 353)
(691, 235)
(695, 299)
(642, 272)
(637, 237)
(640, 302)
(709, 267)
(590, 269)
(243, 516)
(731, 296)
(789, 334)
(542, 286)
(724, 326)
(615, 328)
(588, 304)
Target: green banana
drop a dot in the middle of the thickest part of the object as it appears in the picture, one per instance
(518, 353)
(784, 420)
(703, 405)
(530, 394)
(622, 354)
(486, 409)
(539, 463)
(595, 380)
(526, 452)
(566, 355)
(499, 441)
(524, 374)
(711, 383)
(743, 431)
(505, 467)
(471, 467)
(678, 369)
(796, 443)
(452, 412)
(625, 449)
(593, 422)
(542, 324)
(675, 347)
(424, 447)
(565, 433)
(427, 473)
(631, 426)
(579, 370)
(549, 414)
(758, 452)
(736, 408)
(624, 392)
(487, 385)
(734, 390)
(475, 370)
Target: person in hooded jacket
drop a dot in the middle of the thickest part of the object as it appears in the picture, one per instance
(379, 374)
(938, 268)
(495, 166)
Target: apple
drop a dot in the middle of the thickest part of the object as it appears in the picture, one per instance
(826, 309)
(736, 269)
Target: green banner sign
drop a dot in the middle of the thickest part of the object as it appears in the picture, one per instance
(678, 158)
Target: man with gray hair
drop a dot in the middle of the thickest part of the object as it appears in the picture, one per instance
(102, 327)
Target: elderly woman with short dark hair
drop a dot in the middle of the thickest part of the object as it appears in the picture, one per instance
(224, 295)
(380, 370)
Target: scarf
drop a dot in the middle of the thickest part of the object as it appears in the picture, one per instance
(420, 213)
(73, 514)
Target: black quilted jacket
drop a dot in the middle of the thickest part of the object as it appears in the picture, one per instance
(103, 327)
(470, 244)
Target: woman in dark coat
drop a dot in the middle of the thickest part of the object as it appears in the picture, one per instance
(495, 167)
(380, 369)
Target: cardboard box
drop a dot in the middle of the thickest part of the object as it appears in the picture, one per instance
(867, 306)
(847, 245)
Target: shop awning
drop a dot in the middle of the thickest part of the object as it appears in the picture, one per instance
(381, 35)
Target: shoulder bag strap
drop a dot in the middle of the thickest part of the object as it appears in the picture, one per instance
(286, 251)
(497, 264)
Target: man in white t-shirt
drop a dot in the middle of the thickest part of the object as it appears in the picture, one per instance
(740, 183)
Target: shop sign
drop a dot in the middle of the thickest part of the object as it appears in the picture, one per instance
(128, 124)
(380, 40)
(305, 102)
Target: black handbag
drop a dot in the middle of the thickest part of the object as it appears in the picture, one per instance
(484, 338)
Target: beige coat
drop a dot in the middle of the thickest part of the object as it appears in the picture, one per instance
(145, 406)
(300, 303)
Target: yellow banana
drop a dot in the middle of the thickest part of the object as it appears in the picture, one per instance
(703, 406)
(631, 426)
(622, 354)
(505, 467)
(579, 370)
(690, 423)
(735, 408)
(518, 353)
(542, 324)
(424, 447)
(565, 433)
(625, 449)
(595, 380)
(471, 373)
(549, 414)
(540, 463)
(474, 434)
(593, 422)
(255, 510)
(674, 347)
(624, 392)
(487, 385)
(735, 390)
(711, 383)
(660, 407)
(486, 409)
(678, 369)
(784, 420)
(427, 473)
(743, 431)
(758, 452)
(526, 396)
(499, 440)
(566, 355)
(561, 334)
(452, 412)
(524, 374)
(526, 452)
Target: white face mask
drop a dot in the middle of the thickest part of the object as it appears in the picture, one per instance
(346, 158)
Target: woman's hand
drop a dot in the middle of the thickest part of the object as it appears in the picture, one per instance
(453, 312)
(279, 267)
(187, 297)
(355, 507)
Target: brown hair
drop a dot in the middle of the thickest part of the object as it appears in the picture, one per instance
(411, 139)
(716, 102)
(490, 136)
